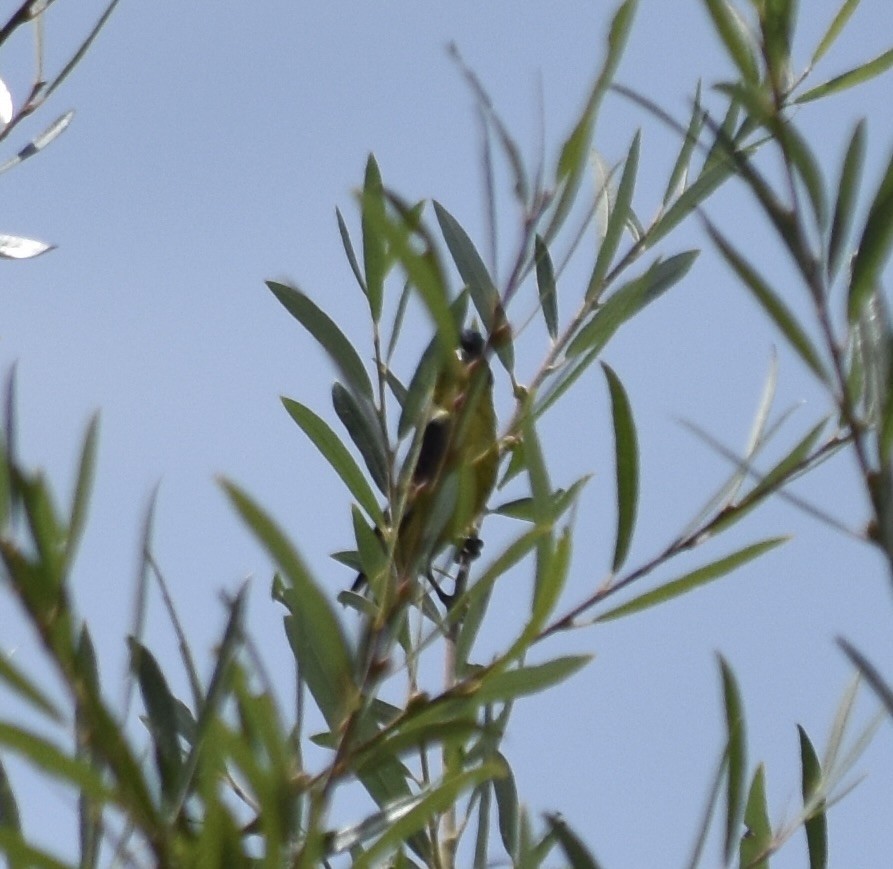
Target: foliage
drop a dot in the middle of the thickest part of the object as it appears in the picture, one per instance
(227, 775)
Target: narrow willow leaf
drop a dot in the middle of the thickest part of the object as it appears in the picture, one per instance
(626, 460)
(847, 193)
(161, 715)
(327, 335)
(15, 680)
(757, 836)
(402, 304)
(328, 443)
(574, 850)
(692, 580)
(736, 37)
(679, 173)
(776, 27)
(422, 268)
(54, 761)
(540, 485)
(360, 418)
(506, 792)
(771, 303)
(412, 818)
(849, 79)
(874, 246)
(82, 488)
(870, 673)
(10, 819)
(786, 466)
(17, 851)
(575, 150)
(349, 251)
(806, 166)
(562, 500)
(40, 142)
(482, 833)
(617, 220)
(848, 7)
(709, 810)
(545, 282)
(314, 631)
(628, 300)
(736, 748)
(18, 247)
(374, 247)
(842, 717)
(372, 556)
(473, 604)
(420, 389)
(552, 570)
(477, 280)
(503, 687)
(706, 183)
(816, 824)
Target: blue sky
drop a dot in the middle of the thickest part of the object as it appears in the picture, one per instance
(208, 153)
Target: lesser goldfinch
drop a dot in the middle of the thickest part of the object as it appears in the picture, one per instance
(455, 471)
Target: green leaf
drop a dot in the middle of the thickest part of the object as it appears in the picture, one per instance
(870, 673)
(422, 268)
(874, 246)
(327, 334)
(851, 78)
(54, 761)
(10, 819)
(847, 194)
(628, 300)
(552, 568)
(575, 150)
(572, 845)
(816, 824)
(19, 852)
(161, 715)
(771, 303)
(562, 499)
(679, 174)
(375, 258)
(471, 267)
(617, 220)
(736, 37)
(360, 418)
(436, 799)
(473, 604)
(758, 836)
(692, 580)
(315, 634)
(707, 182)
(82, 489)
(776, 27)
(626, 460)
(834, 29)
(503, 687)
(736, 749)
(506, 792)
(373, 558)
(416, 398)
(801, 156)
(545, 282)
(349, 251)
(328, 443)
(17, 681)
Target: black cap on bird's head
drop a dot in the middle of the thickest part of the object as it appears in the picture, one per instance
(472, 344)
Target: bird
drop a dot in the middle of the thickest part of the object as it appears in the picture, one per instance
(455, 469)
